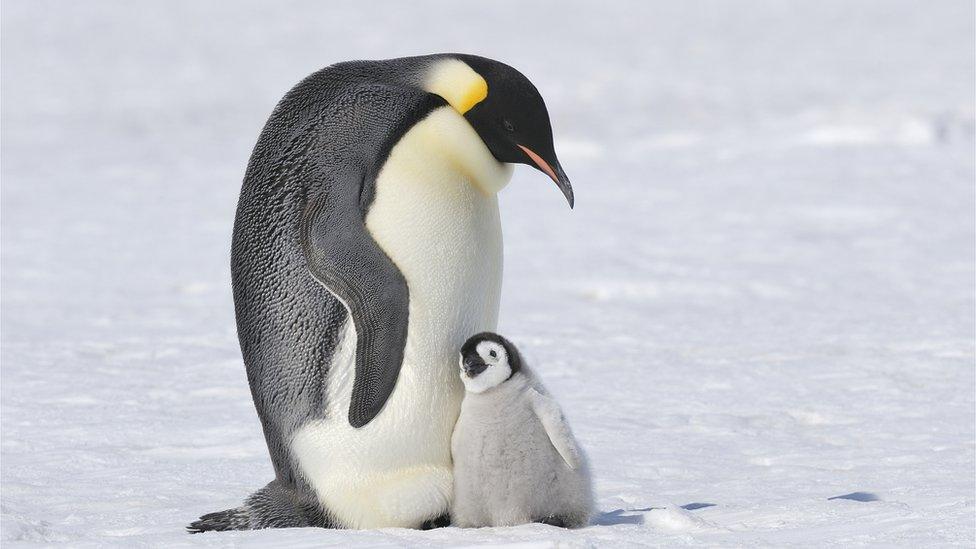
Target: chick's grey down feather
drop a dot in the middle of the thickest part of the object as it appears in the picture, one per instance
(516, 461)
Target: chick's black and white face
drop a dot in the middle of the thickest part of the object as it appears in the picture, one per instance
(484, 364)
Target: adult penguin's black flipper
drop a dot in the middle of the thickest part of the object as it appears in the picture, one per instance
(343, 256)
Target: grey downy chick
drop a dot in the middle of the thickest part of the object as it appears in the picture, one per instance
(515, 458)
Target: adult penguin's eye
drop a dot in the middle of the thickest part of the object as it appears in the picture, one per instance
(508, 125)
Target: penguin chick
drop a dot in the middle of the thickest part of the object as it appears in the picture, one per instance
(515, 458)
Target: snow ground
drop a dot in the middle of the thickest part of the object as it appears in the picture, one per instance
(763, 301)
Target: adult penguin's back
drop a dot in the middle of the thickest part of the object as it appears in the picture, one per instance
(288, 321)
(367, 248)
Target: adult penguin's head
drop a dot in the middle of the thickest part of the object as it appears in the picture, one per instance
(505, 109)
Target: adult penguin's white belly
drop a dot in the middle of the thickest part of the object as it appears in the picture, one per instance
(435, 214)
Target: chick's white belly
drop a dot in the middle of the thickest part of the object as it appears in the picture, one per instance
(443, 233)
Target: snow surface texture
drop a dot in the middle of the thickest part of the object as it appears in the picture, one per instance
(759, 318)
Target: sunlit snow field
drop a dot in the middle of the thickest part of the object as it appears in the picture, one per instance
(759, 318)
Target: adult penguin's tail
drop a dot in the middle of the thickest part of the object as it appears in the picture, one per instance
(231, 519)
(274, 506)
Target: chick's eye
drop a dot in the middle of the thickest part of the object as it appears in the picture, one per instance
(508, 125)
(493, 354)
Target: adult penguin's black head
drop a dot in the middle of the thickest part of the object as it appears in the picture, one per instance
(513, 121)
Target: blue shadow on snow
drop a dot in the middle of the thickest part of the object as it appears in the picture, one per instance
(858, 496)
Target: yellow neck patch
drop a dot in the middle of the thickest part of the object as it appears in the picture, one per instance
(457, 83)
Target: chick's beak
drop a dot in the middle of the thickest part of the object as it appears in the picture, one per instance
(554, 171)
(473, 367)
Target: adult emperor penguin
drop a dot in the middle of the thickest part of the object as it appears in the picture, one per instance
(367, 247)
